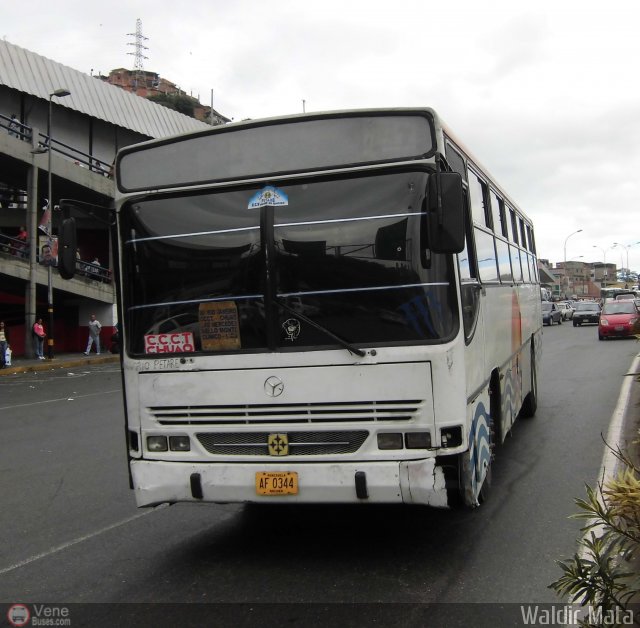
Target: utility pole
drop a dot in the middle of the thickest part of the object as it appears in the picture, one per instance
(566, 277)
(138, 54)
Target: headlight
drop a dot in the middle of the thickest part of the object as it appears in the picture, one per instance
(179, 443)
(157, 443)
(390, 441)
(418, 440)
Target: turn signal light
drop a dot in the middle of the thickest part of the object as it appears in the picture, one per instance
(451, 436)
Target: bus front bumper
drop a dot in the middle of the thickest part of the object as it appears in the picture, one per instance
(410, 482)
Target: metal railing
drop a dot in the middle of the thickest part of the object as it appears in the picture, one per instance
(18, 248)
(14, 246)
(93, 271)
(85, 160)
(15, 128)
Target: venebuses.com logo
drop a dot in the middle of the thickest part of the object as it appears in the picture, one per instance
(18, 615)
(38, 615)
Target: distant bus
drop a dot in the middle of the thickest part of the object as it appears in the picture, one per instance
(324, 308)
(612, 293)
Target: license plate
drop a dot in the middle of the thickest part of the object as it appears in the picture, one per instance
(619, 328)
(276, 483)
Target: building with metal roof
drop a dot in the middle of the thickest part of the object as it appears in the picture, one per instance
(31, 74)
(60, 129)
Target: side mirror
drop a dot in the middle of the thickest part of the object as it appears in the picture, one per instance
(67, 248)
(444, 223)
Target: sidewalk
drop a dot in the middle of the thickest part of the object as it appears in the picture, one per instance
(23, 364)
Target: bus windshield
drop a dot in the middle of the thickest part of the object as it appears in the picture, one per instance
(249, 269)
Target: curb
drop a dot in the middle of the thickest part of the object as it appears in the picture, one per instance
(620, 422)
(57, 363)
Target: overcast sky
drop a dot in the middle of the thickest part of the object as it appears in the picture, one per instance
(547, 96)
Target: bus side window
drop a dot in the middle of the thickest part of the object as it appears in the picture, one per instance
(470, 288)
(455, 159)
(497, 212)
(529, 239)
(523, 234)
(514, 226)
(467, 258)
(478, 195)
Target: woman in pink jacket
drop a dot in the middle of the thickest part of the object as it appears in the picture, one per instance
(39, 336)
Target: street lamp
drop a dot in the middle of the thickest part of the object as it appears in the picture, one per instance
(58, 93)
(626, 246)
(566, 277)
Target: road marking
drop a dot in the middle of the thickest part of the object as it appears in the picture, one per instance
(81, 539)
(37, 403)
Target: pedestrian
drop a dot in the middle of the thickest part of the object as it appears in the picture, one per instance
(94, 335)
(39, 336)
(14, 126)
(4, 345)
(21, 246)
(95, 269)
(115, 339)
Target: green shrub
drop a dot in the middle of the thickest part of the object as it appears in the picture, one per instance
(604, 573)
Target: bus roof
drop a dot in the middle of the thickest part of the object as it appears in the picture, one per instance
(276, 146)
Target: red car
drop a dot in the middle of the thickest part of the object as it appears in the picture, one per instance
(619, 319)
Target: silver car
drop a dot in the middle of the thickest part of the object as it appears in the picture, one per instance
(566, 309)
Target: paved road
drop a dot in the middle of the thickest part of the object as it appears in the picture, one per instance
(71, 532)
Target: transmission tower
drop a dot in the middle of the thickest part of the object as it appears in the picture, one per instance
(138, 54)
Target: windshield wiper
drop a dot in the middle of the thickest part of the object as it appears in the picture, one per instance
(347, 345)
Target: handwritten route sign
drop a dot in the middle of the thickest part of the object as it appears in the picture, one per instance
(219, 327)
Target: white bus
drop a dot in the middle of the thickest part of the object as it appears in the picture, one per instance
(333, 307)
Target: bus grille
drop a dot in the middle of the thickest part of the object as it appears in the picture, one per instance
(300, 443)
(294, 413)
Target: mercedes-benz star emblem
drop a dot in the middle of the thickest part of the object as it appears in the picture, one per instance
(273, 386)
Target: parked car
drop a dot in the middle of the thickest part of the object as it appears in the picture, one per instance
(550, 314)
(586, 312)
(565, 309)
(619, 319)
